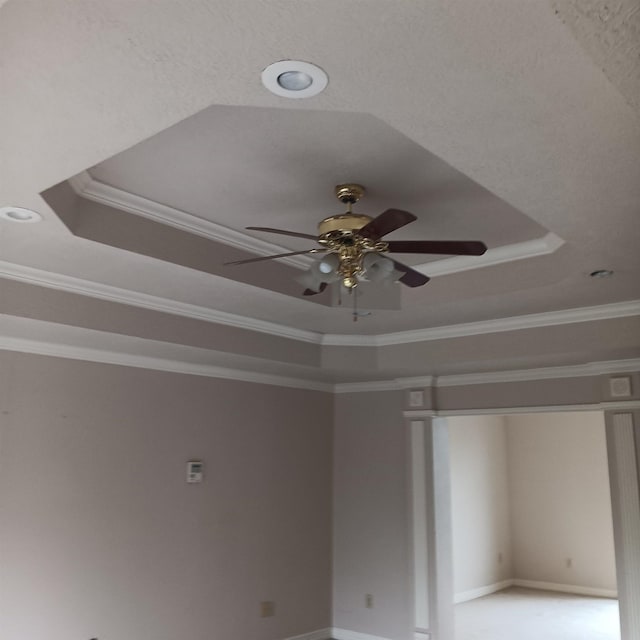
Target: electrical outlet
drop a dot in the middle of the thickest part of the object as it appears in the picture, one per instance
(368, 601)
(267, 609)
(569, 563)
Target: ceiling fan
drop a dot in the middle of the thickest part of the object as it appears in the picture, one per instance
(354, 247)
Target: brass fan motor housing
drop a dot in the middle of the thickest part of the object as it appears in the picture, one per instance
(339, 235)
(343, 222)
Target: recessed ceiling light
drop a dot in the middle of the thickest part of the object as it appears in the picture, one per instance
(601, 273)
(294, 79)
(19, 214)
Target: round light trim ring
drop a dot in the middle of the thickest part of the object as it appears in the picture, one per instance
(601, 273)
(294, 79)
(19, 214)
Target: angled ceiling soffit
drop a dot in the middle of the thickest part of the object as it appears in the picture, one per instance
(109, 293)
(90, 189)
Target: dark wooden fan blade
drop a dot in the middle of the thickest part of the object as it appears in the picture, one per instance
(411, 277)
(278, 255)
(283, 232)
(311, 292)
(386, 222)
(449, 247)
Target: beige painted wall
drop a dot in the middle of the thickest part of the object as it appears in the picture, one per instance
(100, 536)
(560, 500)
(479, 502)
(371, 515)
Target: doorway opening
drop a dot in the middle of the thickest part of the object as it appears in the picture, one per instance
(531, 527)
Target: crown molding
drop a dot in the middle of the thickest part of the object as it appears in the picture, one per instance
(499, 255)
(86, 187)
(88, 354)
(513, 323)
(70, 284)
(624, 405)
(492, 377)
(415, 382)
(420, 414)
(81, 183)
(61, 282)
(546, 373)
(363, 387)
(397, 384)
(350, 340)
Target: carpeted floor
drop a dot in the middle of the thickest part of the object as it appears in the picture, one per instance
(528, 614)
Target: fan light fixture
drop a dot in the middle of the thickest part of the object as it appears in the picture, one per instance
(350, 257)
(19, 214)
(294, 79)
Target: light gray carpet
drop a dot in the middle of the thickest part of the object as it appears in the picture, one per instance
(528, 614)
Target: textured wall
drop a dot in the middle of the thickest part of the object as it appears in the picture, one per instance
(101, 536)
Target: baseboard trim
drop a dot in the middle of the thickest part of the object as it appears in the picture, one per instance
(566, 588)
(472, 594)
(341, 634)
(319, 634)
(347, 634)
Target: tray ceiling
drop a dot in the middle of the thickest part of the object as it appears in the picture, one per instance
(490, 121)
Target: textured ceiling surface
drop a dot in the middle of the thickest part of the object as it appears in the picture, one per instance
(493, 120)
(610, 33)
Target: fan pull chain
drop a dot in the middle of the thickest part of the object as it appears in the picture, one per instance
(355, 304)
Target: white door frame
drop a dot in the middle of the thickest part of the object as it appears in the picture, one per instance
(431, 511)
(431, 529)
(623, 449)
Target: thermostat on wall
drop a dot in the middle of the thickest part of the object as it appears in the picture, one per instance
(195, 471)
